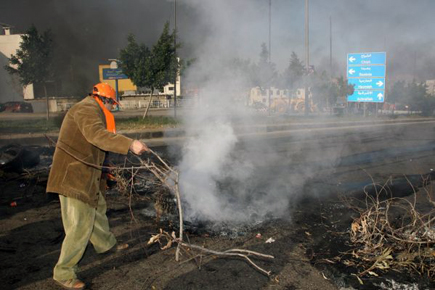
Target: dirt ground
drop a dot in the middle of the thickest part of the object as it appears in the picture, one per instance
(316, 230)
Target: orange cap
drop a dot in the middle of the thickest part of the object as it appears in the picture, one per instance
(106, 91)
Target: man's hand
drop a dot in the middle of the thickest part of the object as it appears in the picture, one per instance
(138, 147)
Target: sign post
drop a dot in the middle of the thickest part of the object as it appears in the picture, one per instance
(114, 73)
(366, 72)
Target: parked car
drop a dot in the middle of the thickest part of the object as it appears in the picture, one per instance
(16, 107)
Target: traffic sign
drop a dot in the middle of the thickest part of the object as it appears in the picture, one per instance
(367, 83)
(371, 96)
(368, 71)
(113, 74)
(368, 58)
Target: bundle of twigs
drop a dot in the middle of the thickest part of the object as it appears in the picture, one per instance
(169, 178)
(392, 234)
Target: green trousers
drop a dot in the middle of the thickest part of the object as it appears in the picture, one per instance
(82, 223)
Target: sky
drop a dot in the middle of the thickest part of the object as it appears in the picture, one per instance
(94, 31)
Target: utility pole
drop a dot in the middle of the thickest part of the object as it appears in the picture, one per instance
(269, 54)
(307, 58)
(330, 46)
(329, 106)
(176, 59)
(270, 30)
(414, 66)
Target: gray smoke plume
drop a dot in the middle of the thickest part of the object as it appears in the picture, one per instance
(216, 176)
(208, 156)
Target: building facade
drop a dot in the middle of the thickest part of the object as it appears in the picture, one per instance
(10, 87)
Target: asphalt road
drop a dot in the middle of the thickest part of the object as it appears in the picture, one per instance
(343, 146)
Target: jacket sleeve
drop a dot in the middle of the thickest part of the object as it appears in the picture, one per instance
(91, 125)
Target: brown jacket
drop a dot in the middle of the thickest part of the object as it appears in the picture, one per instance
(80, 152)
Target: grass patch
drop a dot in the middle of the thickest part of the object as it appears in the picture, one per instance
(150, 122)
(53, 124)
(31, 125)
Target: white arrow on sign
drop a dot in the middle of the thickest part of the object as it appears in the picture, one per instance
(351, 71)
(352, 59)
(380, 95)
(380, 83)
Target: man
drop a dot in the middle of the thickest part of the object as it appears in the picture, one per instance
(86, 135)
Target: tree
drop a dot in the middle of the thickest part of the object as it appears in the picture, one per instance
(135, 61)
(398, 92)
(419, 99)
(266, 72)
(294, 73)
(33, 61)
(241, 69)
(165, 62)
(153, 68)
(343, 88)
(324, 91)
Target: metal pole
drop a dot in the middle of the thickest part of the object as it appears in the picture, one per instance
(176, 60)
(307, 58)
(269, 55)
(330, 46)
(270, 30)
(117, 94)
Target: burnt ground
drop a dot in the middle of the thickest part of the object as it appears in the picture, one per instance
(315, 232)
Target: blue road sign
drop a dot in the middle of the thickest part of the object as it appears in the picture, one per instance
(371, 96)
(113, 74)
(367, 83)
(369, 58)
(368, 71)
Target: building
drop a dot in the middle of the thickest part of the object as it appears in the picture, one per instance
(430, 84)
(281, 101)
(10, 87)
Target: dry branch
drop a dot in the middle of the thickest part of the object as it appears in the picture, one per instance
(392, 234)
(169, 177)
(228, 253)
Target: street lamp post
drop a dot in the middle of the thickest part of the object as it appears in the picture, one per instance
(270, 30)
(114, 65)
(269, 54)
(307, 58)
(175, 55)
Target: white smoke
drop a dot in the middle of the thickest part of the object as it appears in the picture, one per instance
(218, 171)
(208, 155)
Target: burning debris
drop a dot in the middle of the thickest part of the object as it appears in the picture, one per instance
(166, 179)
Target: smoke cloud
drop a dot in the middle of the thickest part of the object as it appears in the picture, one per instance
(221, 177)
